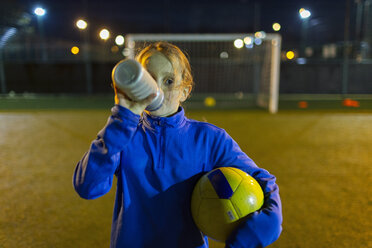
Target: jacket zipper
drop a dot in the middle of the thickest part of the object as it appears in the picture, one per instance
(162, 148)
(160, 164)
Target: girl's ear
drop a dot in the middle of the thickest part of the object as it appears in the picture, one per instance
(185, 93)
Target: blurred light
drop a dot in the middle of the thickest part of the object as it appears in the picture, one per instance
(304, 13)
(119, 40)
(276, 27)
(359, 58)
(301, 61)
(7, 35)
(104, 34)
(224, 55)
(249, 45)
(290, 55)
(131, 44)
(309, 51)
(329, 51)
(114, 49)
(81, 24)
(75, 50)
(126, 52)
(257, 41)
(248, 40)
(24, 20)
(260, 35)
(39, 11)
(238, 43)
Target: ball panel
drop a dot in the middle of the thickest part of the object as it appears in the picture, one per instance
(217, 218)
(243, 174)
(206, 188)
(220, 184)
(196, 199)
(231, 176)
(248, 197)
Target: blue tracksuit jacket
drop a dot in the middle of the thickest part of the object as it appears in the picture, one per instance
(157, 161)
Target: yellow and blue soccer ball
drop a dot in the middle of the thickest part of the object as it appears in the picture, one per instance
(222, 198)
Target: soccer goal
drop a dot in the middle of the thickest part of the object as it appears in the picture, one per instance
(231, 68)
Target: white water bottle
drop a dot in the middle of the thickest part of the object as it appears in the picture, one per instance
(130, 77)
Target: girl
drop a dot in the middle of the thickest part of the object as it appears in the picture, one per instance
(158, 157)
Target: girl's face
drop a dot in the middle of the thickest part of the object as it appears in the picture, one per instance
(169, 80)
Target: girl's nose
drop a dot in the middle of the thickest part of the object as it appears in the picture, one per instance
(158, 82)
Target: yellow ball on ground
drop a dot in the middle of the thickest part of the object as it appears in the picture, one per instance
(209, 101)
(222, 198)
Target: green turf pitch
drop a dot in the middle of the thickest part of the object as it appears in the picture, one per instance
(322, 161)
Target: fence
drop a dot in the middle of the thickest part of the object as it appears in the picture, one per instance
(24, 70)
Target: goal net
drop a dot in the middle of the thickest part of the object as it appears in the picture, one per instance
(235, 69)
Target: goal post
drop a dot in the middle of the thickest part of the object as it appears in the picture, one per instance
(268, 93)
(232, 66)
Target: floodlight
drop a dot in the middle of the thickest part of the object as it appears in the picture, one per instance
(304, 13)
(276, 27)
(104, 34)
(81, 24)
(238, 43)
(39, 11)
(119, 40)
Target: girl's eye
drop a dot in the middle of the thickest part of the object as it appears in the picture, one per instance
(168, 81)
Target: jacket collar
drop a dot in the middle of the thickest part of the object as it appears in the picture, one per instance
(171, 121)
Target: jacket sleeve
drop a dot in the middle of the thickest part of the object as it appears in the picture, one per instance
(264, 226)
(95, 171)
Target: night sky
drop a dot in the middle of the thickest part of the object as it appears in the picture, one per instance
(326, 25)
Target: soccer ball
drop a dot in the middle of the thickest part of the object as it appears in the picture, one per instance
(222, 198)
